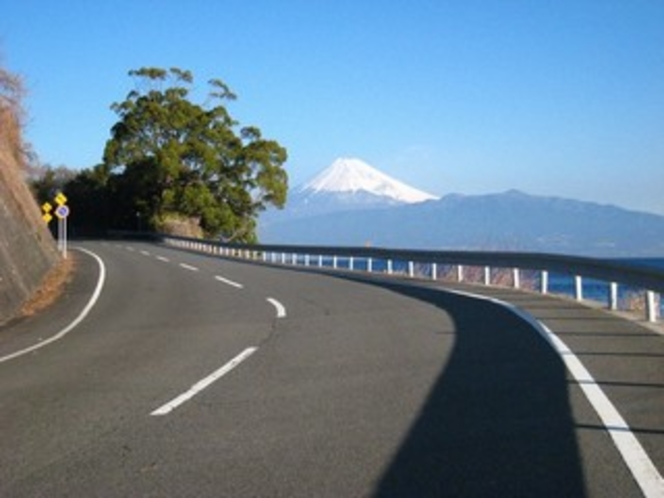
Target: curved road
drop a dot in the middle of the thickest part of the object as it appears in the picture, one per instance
(198, 376)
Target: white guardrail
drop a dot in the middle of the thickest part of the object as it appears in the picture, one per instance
(641, 286)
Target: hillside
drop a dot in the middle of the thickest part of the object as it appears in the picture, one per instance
(512, 221)
(27, 249)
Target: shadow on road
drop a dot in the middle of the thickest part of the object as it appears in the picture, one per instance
(497, 422)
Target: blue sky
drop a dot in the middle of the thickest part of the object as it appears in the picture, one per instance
(561, 98)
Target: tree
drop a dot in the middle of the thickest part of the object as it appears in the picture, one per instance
(89, 197)
(46, 180)
(175, 158)
(12, 116)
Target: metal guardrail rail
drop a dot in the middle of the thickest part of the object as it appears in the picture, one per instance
(614, 273)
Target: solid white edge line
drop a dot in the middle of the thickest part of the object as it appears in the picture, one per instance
(228, 282)
(632, 452)
(203, 383)
(188, 267)
(281, 310)
(93, 299)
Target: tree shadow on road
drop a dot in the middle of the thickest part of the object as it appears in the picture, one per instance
(498, 421)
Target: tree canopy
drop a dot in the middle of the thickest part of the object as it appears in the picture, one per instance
(171, 158)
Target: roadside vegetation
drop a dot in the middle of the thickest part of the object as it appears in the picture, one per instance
(175, 166)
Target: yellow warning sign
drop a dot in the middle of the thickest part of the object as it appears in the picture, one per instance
(60, 199)
(47, 218)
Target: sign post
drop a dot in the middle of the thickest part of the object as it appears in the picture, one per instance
(61, 213)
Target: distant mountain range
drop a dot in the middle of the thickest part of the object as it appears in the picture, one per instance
(353, 204)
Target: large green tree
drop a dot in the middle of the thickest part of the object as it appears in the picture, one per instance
(174, 158)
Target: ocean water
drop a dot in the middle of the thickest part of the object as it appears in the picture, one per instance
(644, 262)
(595, 290)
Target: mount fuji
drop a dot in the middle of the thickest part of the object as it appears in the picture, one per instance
(348, 175)
(348, 184)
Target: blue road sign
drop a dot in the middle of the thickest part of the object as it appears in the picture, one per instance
(62, 211)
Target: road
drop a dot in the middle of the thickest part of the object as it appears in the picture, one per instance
(196, 376)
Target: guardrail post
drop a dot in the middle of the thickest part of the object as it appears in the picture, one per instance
(351, 263)
(411, 269)
(460, 273)
(389, 267)
(369, 265)
(516, 280)
(651, 306)
(613, 296)
(487, 275)
(544, 282)
(320, 261)
(578, 288)
(434, 271)
(334, 262)
(307, 259)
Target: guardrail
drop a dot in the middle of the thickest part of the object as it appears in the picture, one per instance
(369, 259)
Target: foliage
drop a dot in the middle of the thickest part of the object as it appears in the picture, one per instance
(12, 116)
(170, 156)
(46, 181)
(11, 91)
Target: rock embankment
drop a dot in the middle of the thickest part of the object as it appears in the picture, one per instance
(27, 249)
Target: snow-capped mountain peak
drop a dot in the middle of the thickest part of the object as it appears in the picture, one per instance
(349, 175)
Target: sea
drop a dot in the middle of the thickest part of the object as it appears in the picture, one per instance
(560, 284)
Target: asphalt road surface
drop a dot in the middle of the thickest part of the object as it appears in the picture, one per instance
(193, 376)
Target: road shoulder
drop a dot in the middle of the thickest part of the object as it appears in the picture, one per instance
(27, 331)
